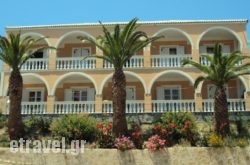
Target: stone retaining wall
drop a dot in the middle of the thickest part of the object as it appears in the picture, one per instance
(170, 156)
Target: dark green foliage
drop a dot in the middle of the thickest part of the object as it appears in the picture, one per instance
(35, 127)
(74, 127)
(3, 120)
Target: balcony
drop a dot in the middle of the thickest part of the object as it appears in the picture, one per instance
(205, 62)
(75, 63)
(35, 64)
(70, 107)
(31, 108)
(132, 106)
(168, 60)
(233, 105)
(133, 62)
(159, 106)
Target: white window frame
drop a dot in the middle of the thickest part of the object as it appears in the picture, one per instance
(80, 51)
(161, 90)
(68, 93)
(26, 93)
(203, 48)
(179, 49)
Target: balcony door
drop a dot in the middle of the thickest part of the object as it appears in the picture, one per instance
(169, 93)
(33, 95)
(80, 51)
(79, 94)
(171, 50)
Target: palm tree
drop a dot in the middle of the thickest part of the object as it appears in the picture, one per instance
(15, 51)
(222, 68)
(118, 47)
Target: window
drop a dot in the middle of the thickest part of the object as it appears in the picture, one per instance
(210, 50)
(171, 94)
(79, 95)
(35, 96)
(80, 52)
(171, 50)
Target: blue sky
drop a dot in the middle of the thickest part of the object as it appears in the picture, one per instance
(32, 12)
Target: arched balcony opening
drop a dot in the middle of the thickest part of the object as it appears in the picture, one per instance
(172, 49)
(172, 91)
(40, 58)
(135, 90)
(74, 93)
(71, 52)
(226, 37)
(235, 92)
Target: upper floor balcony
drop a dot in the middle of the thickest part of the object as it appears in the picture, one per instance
(167, 52)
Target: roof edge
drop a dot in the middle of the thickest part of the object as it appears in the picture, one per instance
(139, 22)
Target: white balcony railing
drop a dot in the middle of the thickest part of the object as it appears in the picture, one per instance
(205, 62)
(31, 108)
(75, 63)
(70, 107)
(173, 106)
(233, 105)
(168, 60)
(133, 62)
(35, 64)
(132, 106)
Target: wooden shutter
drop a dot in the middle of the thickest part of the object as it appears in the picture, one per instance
(180, 50)
(91, 94)
(67, 95)
(159, 93)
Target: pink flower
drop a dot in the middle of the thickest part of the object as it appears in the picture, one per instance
(124, 143)
(155, 143)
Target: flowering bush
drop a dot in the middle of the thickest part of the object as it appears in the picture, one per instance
(137, 136)
(155, 143)
(105, 138)
(215, 140)
(124, 143)
(179, 126)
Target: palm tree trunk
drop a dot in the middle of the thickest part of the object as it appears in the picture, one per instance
(15, 124)
(221, 115)
(119, 103)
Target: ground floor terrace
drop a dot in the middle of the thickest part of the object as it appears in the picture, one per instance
(148, 91)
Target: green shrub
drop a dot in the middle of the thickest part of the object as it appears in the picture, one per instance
(4, 140)
(215, 140)
(242, 142)
(37, 126)
(74, 127)
(3, 120)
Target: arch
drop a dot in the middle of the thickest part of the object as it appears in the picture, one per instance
(125, 72)
(33, 75)
(222, 28)
(36, 34)
(177, 30)
(166, 72)
(199, 87)
(71, 74)
(70, 33)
